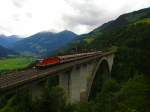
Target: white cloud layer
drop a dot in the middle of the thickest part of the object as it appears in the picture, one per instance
(26, 17)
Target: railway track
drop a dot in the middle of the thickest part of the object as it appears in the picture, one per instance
(19, 78)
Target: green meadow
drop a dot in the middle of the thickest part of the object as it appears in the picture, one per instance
(15, 63)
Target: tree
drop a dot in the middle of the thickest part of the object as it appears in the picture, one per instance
(52, 100)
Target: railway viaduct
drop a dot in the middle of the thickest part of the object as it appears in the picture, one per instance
(75, 77)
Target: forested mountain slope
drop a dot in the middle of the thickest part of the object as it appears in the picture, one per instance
(129, 88)
(7, 41)
(44, 43)
(6, 52)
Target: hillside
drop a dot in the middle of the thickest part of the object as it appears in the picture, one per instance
(6, 52)
(123, 20)
(120, 22)
(130, 84)
(7, 41)
(44, 43)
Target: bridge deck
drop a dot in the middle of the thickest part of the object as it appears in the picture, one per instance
(19, 78)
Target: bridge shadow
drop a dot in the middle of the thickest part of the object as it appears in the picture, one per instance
(101, 76)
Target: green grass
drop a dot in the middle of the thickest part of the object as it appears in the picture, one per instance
(89, 40)
(15, 63)
(7, 107)
(146, 20)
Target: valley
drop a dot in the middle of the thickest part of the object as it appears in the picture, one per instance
(11, 64)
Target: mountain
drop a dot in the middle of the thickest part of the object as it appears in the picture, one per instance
(8, 41)
(44, 43)
(121, 22)
(129, 86)
(4, 52)
(128, 32)
(124, 20)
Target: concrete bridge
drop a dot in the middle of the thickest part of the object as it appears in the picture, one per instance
(76, 77)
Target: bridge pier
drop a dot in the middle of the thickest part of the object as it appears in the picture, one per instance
(85, 75)
(37, 89)
(64, 82)
(75, 82)
(83, 81)
(75, 85)
(110, 60)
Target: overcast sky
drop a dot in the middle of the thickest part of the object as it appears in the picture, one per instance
(26, 17)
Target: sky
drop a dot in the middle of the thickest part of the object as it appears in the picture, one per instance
(27, 17)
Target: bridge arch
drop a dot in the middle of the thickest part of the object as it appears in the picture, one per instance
(101, 72)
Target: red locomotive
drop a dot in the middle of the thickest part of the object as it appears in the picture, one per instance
(62, 59)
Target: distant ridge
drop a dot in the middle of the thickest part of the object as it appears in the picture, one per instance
(7, 41)
(4, 52)
(44, 43)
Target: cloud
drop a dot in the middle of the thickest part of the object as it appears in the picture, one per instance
(18, 3)
(87, 14)
(26, 17)
(93, 13)
(29, 15)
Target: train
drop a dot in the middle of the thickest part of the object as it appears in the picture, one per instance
(50, 61)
